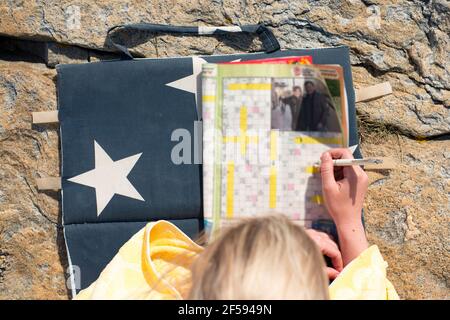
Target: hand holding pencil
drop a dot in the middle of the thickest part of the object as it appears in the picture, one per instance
(343, 189)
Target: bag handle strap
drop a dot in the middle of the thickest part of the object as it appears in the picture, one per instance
(269, 42)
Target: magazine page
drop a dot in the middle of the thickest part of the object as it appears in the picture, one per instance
(265, 127)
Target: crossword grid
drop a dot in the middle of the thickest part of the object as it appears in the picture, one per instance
(288, 183)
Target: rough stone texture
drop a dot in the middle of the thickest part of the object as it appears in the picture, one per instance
(404, 42)
(32, 259)
(410, 109)
(407, 212)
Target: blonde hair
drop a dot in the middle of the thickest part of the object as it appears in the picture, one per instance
(260, 258)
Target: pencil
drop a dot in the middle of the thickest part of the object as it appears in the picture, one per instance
(353, 162)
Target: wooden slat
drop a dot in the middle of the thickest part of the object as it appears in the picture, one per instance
(373, 92)
(49, 183)
(45, 117)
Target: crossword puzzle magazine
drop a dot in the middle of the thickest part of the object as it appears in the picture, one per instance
(259, 150)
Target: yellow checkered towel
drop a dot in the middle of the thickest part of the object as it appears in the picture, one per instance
(155, 264)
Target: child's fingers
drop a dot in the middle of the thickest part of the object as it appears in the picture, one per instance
(327, 172)
(331, 250)
(328, 247)
(354, 173)
(341, 153)
(338, 173)
(332, 273)
(326, 235)
(338, 153)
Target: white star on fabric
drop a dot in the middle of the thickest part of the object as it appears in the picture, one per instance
(353, 148)
(189, 83)
(109, 178)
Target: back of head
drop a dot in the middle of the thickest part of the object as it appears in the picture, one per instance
(260, 258)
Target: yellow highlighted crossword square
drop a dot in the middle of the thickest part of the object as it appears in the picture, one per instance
(230, 189)
(273, 145)
(318, 140)
(273, 187)
(318, 199)
(250, 86)
(209, 98)
(312, 169)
